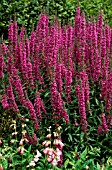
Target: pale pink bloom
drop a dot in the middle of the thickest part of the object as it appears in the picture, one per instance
(54, 162)
(48, 136)
(56, 134)
(56, 142)
(19, 149)
(61, 144)
(50, 151)
(43, 143)
(32, 163)
(46, 150)
(36, 159)
(22, 151)
(21, 142)
(38, 154)
(58, 152)
(26, 140)
(49, 159)
(47, 143)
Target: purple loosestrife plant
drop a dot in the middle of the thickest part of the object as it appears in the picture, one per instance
(99, 30)
(1, 66)
(104, 123)
(15, 38)
(32, 112)
(68, 83)
(10, 33)
(59, 81)
(32, 43)
(106, 91)
(80, 93)
(39, 106)
(96, 60)
(27, 43)
(82, 40)
(42, 32)
(30, 74)
(23, 63)
(57, 103)
(77, 34)
(5, 103)
(11, 98)
(18, 86)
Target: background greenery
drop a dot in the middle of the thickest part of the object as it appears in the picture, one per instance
(28, 11)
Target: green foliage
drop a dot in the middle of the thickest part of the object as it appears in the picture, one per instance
(28, 11)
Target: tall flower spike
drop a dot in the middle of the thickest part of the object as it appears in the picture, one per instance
(10, 33)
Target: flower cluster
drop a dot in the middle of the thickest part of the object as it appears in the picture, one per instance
(54, 156)
(36, 159)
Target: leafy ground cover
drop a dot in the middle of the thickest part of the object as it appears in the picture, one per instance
(56, 96)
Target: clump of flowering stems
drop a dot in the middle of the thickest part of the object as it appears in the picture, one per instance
(82, 93)
(54, 155)
(36, 159)
(104, 127)
(59, 55)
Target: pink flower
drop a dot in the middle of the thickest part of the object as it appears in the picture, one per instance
(104, 124)
(58, 152)
(45, 151)
(99, 131)
(49, 159)
(22, 151)
(54, 162)
(36, 159)
(21, 142)
(48, 136)
(50, 151)
(19, 149)
(5, 101)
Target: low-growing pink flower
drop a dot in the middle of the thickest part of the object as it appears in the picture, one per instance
(54, 162)
(22, 151)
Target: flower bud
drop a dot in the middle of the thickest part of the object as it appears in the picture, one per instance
(19, 149)
(32, 163)
(48, 136)
(12, 141)
(36, 159)
(1, 142)
(22, 151)
(1, 168)
(21, 142)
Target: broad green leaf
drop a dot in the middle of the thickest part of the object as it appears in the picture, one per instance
(66, 163)
(83, 154)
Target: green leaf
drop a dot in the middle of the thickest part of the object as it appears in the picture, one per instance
(5, 164)
(46, 94)
(97, 102)
(98, 166)
(39, 168)
(70, 137)
(83, 154)
(29, 149)
(66, 163)
(71, 163)
(68, 155)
